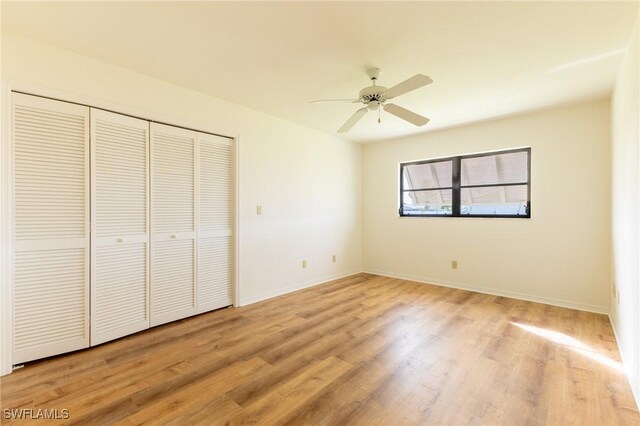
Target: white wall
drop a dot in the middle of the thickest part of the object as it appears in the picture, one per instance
(4, 336)
(307, 182)
(561, 255)
(625, 124)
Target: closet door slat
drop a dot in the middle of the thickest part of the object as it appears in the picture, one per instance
(215, 222)
(120, 199)
(173, 217)
(51, 227)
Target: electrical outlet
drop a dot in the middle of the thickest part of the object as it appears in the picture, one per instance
(618, 297)
(454, 264)
(334, 258)
(258, 210)
(304, 264)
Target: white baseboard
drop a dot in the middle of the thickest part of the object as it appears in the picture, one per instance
(279, 292)
(634, 391)
(504, 293)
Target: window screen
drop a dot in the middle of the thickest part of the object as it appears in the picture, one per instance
(480, 185)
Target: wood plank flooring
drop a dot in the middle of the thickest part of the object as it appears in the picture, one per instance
(361, 350)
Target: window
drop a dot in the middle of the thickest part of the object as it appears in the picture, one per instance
(495, 184)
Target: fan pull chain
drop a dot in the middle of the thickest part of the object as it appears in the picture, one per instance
(378, 115)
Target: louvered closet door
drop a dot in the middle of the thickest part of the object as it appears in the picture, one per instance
(172, 223)
(215, 222)
(51, 227)
(119, 261)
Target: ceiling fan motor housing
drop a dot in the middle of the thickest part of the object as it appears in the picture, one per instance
(373, 94)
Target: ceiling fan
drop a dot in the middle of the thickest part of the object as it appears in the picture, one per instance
(374, 97)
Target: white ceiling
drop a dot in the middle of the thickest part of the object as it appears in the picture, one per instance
(487, 59)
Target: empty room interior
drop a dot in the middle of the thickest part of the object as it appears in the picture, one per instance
(320, 213)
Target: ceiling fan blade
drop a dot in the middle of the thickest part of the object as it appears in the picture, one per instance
(413, 83)
(335, 100)
(353, 120)
(406, 115)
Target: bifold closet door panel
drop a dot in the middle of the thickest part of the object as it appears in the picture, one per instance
(120, 206)
(50, 232)
(173, 218)
(215, 222)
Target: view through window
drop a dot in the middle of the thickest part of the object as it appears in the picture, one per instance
(493, 184)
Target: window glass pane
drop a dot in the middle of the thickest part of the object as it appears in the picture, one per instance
(495, 169)
(494, 200)
(429, 203)
(430, 175)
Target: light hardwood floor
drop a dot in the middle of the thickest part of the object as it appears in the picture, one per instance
(360, 350)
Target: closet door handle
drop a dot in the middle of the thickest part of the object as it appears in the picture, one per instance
(174, 236)
(121, 240)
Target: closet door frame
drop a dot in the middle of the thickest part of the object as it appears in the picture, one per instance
(6, 230)
(99, 241)
(235, 221)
